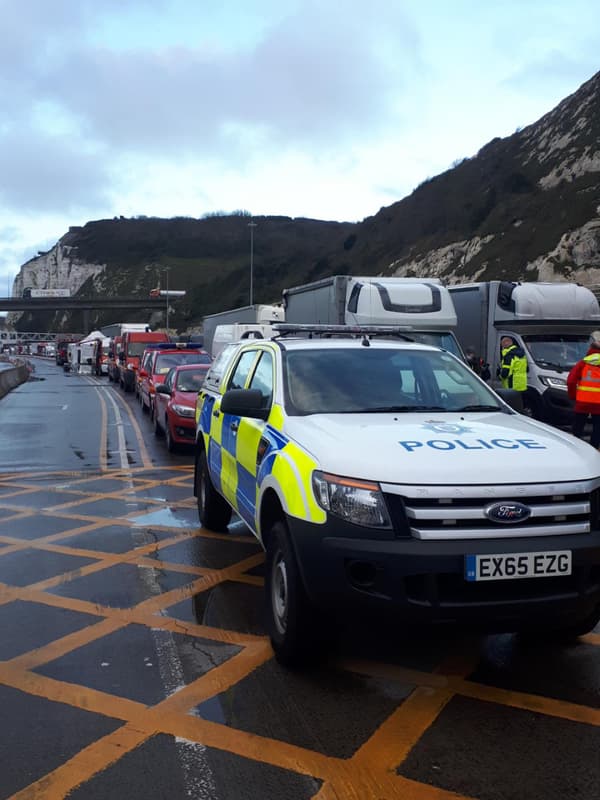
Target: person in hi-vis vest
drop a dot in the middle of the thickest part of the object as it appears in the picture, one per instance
(513, 365)
(583, 385)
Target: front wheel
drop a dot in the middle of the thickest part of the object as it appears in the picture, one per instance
(213, 510)
(291, 624)
(158, 431)
(169, 440)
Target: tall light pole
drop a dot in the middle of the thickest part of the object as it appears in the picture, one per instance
(252, 225)
(167, 297)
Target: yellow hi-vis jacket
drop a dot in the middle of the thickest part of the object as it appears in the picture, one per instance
(513, 368)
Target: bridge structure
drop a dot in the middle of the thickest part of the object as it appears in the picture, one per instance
(85, 304)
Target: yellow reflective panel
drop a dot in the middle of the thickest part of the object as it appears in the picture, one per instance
(293, 469)
(248, 437)
(229, 477)
(276, 417)
(216, 427)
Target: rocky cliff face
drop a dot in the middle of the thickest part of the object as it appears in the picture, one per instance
(526, 208)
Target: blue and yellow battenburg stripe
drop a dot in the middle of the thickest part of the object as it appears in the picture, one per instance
(234, 454)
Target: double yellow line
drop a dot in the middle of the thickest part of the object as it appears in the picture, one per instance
(119, 405)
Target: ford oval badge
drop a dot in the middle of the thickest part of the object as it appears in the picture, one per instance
(507, 513)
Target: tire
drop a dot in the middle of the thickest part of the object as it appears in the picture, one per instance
(291, 623)
(213, 510)
(172, 446)
(158, 431)
(567, 633)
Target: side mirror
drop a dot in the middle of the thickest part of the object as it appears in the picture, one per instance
(512, 397)
(244, 403)
(162, 389)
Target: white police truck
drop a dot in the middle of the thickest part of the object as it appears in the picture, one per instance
(385, 474)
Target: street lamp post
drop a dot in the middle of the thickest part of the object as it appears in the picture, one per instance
(167, 298)
(252, 225)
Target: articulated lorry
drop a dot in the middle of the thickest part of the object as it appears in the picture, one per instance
(257, 315)
(552, 322)
(421, 308)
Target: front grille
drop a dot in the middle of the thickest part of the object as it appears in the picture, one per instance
(563, 510)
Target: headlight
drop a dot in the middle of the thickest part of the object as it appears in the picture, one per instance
(360, 502)
(183, 411)
(554, 383)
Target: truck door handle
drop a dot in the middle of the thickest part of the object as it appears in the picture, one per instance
(234, 425)
(216, 412)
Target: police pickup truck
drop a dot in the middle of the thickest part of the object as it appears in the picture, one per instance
(379, 473)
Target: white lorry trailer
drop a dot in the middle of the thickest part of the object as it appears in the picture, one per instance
(422, 308)
(251, 315)
(552, 322)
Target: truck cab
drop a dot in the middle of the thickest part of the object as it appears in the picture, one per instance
(132, 347)
(551, 322)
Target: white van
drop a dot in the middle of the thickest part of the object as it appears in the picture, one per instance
(226, 334)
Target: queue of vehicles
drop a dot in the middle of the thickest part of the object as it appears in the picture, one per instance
(376, 468)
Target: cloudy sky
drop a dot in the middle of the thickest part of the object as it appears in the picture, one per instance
(328, 109)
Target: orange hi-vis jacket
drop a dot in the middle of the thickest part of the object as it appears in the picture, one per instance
(588, 385)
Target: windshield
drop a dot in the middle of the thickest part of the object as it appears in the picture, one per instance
(378, 379)
(445, 341)
(557, 351)
(136, 349)
(190, 380)
(168, 360)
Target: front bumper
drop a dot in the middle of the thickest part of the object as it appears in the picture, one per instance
(423, 581)
(183, 429)
(557, 407)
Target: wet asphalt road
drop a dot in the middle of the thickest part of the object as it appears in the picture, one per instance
(133, 661)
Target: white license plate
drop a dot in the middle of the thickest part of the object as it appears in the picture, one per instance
(508, 566)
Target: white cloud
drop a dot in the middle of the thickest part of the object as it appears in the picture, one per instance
(327, 110)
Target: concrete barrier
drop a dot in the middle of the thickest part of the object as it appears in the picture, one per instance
(9, 378)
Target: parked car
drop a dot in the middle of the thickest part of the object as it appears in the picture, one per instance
(175, 404)
(156, 363)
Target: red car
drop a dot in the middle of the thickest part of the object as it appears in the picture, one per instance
(157, 360)
(175, 404)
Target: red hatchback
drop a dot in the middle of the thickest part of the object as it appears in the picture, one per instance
(157, 360)
(175, 404)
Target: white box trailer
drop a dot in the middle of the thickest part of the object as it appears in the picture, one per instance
(420, 307)
(552, 322)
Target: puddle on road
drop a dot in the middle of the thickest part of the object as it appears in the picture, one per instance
(170, 517)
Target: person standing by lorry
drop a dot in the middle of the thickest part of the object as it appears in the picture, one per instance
(583, 386)
(513, 365)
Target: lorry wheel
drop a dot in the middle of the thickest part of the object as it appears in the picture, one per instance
(291, 624)
(213, 510)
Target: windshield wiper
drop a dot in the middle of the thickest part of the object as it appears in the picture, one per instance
(477, 408)
(541, 362)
